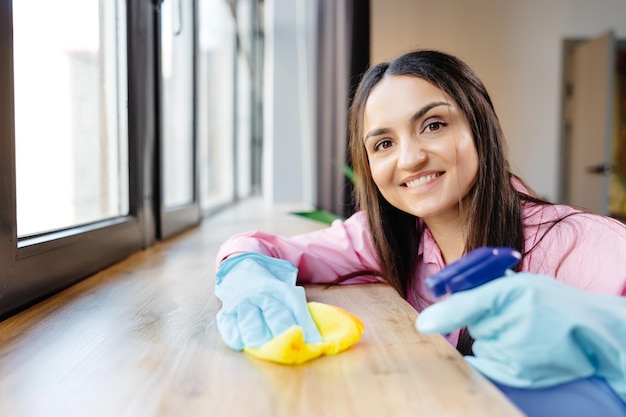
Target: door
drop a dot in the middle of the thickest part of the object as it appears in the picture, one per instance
(589, 115)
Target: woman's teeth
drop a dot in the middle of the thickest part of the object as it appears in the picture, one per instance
(421, 180)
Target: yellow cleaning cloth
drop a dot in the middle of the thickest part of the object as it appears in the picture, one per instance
(339, 329)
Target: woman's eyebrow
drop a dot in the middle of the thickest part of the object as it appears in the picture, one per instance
(376, 132)
(421, 112)
(414, 118)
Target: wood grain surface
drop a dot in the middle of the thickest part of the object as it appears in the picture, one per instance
(139, 339)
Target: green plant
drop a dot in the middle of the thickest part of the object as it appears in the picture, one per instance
(325, 216)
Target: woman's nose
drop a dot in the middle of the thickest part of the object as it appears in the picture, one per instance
(412, 154)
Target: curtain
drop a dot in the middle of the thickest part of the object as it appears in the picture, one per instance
(343, 55)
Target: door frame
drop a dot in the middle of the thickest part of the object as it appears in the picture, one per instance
(569, 46)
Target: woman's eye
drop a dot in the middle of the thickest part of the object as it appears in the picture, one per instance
(383, 144)
(434, 126)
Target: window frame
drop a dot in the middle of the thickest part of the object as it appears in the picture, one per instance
(33, 267)
(173, 220)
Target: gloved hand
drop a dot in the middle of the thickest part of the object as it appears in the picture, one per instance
(260, 300)
(533, 331)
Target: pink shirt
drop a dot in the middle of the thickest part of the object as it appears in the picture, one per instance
(585, 251)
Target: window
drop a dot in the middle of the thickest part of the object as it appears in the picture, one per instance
(177, 105)
(217, 48)
(245, 96)
(71, 125)
(179, 202)
(116, 119)
(71, 157)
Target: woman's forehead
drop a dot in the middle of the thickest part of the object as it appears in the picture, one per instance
(396, 97)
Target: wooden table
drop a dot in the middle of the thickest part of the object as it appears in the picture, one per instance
(139, 339)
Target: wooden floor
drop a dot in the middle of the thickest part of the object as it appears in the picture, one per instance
(139, 339)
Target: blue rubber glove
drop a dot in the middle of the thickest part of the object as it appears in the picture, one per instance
(533, 331)
(260, 300)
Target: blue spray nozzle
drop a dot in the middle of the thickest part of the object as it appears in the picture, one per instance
(473, 269)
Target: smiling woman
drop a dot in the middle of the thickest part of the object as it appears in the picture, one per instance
(433, 182)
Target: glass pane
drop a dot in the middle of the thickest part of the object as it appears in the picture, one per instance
(245, 27)
(215, 95)
(70, 112)
(177, 101)
(244, 126)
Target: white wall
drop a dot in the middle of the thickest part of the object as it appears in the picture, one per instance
(515, 46)
(289, 110)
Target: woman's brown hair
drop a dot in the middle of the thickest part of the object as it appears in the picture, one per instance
(493, 205)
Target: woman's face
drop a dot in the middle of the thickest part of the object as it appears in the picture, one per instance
(420, 148)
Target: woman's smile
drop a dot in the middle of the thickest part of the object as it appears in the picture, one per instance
(420, 180)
